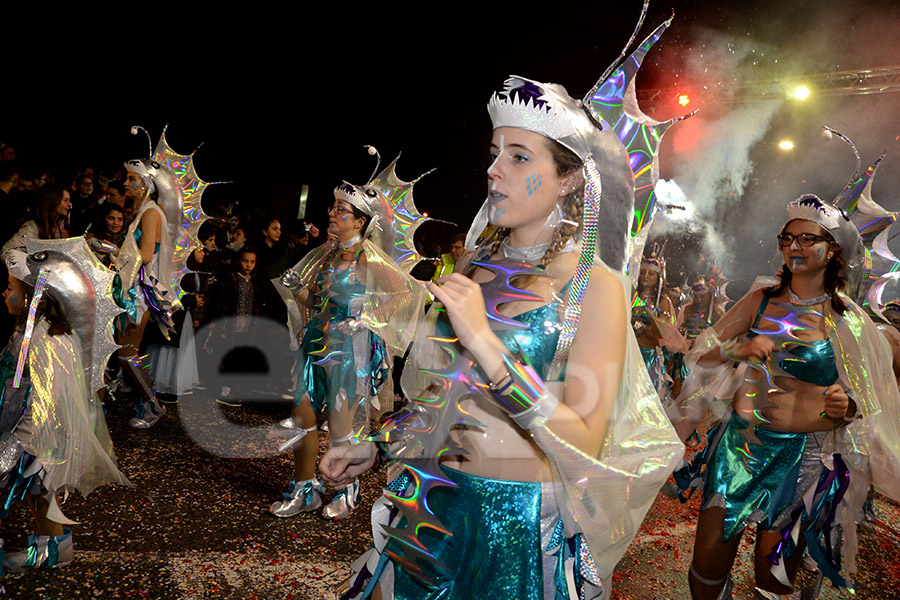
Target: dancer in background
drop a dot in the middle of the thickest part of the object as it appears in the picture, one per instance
(363, 307)
(653, 320)
(812, 415)
(53, 434)
(157, 245)
(704, 308)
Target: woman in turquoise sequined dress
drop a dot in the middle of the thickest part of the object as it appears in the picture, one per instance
(533, 383)
(342, 364)
(800, 362)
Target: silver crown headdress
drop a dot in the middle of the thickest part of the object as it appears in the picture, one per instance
(388, 201)
(544, 108)
(71, 273)
(608, 126)
(810, 207)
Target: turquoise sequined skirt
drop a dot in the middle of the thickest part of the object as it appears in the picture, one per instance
(503, 543)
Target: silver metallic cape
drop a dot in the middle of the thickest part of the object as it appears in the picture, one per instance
(606, 497)
(83, 287)
(68, 430)
(394, 301)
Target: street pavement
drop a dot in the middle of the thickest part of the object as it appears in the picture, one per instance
(195, 525)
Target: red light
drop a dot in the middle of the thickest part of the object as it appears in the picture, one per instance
(684, 99)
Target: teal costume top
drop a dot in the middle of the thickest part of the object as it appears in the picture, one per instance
(327, 354)
(814, 363)
(536, 343)
(498, 548)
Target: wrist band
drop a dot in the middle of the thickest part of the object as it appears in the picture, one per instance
(291, 280)
(524, 396)
(726, 351)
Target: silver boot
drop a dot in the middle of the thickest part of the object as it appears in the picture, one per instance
(42, 552)
(150, 410)
(343, 503)
(304, 496)
(149, 413)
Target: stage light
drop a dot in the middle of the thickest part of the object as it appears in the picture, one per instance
(786, 145)
(684, 99)
(801, 92)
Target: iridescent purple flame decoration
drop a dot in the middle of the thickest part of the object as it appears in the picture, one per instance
(500, 290)
(423, 430)
(784, 336)
(529, 91)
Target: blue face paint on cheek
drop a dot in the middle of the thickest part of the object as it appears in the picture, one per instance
(821, 252)
(13, 300)
(532, 183)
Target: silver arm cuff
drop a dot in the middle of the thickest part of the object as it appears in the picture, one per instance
(539, 413)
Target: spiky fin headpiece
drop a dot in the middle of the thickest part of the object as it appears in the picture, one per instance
(654, 260)
(873, 223)
(388, 201)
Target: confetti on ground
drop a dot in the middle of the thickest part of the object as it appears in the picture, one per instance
(196, 526)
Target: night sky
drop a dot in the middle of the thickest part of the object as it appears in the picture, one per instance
(290, 96)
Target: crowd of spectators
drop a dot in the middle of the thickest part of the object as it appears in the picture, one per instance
(230, 273)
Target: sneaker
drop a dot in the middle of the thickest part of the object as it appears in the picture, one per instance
(304, 496)
(228, 401)
(343, 503)
(148, 414)
(42, 552)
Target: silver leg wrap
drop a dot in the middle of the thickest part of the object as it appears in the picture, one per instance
(725, 593)
(148, 412)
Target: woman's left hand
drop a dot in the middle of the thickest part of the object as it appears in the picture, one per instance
(464, 302)
(836, 402)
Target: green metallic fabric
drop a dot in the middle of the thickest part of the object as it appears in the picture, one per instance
(751, 476)
(537, 344)
(328, 364)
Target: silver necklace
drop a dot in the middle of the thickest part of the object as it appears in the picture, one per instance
(524, 253)
(351, 242)
(795, 299)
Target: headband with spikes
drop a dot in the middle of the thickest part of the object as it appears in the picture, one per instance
(388, 201)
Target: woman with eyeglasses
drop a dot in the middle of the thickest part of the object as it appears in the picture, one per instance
(801, 364)
(344, 364)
